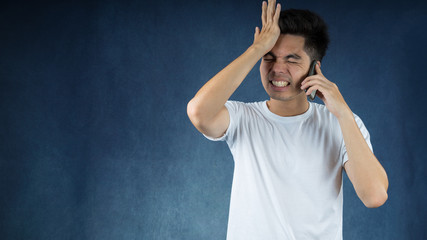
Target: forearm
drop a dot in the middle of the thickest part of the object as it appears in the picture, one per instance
(212, 96)
(367, 175)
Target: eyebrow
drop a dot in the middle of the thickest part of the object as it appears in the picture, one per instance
(293, 55)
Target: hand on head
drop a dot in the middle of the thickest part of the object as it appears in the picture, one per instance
(266, 37)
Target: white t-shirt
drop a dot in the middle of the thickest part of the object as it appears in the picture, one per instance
(287, 181)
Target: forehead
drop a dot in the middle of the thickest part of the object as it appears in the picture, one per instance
(289, 44)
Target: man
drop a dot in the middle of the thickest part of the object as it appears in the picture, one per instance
(288, 153)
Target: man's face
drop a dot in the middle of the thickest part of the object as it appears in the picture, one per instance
(284, 67)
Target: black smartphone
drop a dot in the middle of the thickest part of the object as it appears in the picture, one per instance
(312, 71)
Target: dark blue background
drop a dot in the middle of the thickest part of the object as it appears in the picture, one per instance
(96, 143)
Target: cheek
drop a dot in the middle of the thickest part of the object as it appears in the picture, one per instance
(297, 73)
(264, 69)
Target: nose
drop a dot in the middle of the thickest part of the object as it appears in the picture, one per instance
(279, 67)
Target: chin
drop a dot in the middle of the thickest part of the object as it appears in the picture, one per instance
(287, 96)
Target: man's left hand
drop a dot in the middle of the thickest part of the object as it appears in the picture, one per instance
(328, 92)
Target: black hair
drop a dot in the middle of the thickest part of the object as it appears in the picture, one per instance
(308, 25)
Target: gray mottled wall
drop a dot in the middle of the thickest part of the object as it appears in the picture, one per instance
(96, 144)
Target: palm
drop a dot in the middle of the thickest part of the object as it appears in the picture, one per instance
(267, 37)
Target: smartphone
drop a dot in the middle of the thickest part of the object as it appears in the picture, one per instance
(312, 71)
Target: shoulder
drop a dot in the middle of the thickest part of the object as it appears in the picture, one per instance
(320, 111)
(246, 104)
(324, 116)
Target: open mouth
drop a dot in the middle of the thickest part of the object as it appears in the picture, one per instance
(280, 83)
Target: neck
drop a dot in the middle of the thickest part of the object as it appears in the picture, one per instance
(288, 108)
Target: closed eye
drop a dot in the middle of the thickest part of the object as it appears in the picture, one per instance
(268, 59)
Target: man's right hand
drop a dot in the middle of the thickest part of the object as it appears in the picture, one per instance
(270, 32)
(206, 110)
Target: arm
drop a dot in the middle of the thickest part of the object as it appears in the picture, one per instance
(206, 110)
(363, 168)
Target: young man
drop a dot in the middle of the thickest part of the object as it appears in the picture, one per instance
(288, 153)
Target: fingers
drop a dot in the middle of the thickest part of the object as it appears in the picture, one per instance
(314, 88)
(318, 70)
(256, 33)
(314, 82)
(308, 83)
(308, 79)
(270, 12)
(267, 36)
(264, 13)
(277, 13)
(325, 88)
(318, 75)
(316, 85)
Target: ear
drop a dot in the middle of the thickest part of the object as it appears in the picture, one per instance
(318, 63)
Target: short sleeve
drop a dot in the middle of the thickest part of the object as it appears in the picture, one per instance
(365, 135)
(234, 113)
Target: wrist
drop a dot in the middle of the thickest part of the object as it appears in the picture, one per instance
(346, 115)
(258, 50)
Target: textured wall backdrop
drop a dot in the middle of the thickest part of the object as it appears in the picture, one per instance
(96, 144)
